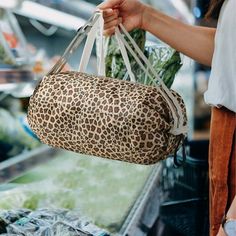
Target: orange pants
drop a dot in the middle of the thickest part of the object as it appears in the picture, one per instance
(222, 165)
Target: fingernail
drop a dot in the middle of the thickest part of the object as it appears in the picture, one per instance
(109, 10)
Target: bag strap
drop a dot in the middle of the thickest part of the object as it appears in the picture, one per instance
(94, 25)
(97, 33)
(91, 27)
(100, 47)
(76, 41)
(179, 127)
(125, 56)
(88, 48)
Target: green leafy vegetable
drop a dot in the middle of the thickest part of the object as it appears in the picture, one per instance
(115, 66)
(103, 190)
(13, 134)
(165, 60)
(4, 57)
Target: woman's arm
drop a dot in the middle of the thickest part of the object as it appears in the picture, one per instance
(193, 41)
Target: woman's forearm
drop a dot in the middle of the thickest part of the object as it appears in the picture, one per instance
(193, 41)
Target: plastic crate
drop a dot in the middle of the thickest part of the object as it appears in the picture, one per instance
(187, 217)
(189, 180)
(185, 191)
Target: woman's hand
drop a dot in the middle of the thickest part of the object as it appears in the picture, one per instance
(129, 12)
(193, 41)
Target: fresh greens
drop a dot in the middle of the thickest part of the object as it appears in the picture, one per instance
(103, 190)
(165, 60)
(4, 59)
(13, 134)
(115, 66)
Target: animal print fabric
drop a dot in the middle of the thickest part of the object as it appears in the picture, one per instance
(103, 117)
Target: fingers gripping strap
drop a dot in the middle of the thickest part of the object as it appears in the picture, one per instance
(96, 33)
(101, 50)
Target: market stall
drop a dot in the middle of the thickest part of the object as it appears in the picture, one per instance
(110, 194)
(120, 198)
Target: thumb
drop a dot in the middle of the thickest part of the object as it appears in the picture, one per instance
(109, 4)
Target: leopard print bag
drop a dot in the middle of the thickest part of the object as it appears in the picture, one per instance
(105, 117)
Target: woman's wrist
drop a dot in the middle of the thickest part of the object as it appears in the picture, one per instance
(145, 16)
(150, 17)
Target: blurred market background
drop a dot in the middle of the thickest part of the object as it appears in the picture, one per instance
(120, 198)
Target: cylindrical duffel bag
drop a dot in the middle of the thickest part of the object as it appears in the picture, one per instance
(106, 117)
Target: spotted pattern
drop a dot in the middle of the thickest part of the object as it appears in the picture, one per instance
(103, 117)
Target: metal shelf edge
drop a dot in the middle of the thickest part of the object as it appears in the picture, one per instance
(19, 164)
(138, 207)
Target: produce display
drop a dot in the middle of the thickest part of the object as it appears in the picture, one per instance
(90, 189)
(103, 191)
(4, 59)
(46, 222)
(164, 59)
(14, 136)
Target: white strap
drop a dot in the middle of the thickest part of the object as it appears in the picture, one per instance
(179, 126)
(96, 33)
(100, 47)
(88, 48)
(140, 54)
(176, 110)
(123, 41)
(124, 55)
(147, 73)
